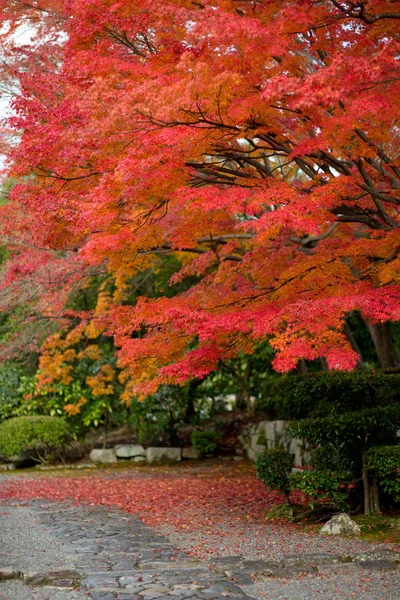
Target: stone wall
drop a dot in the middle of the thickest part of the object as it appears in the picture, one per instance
(256, 437)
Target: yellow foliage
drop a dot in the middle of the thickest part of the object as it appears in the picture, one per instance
(101, 383)
(92, 351)
(75, 409)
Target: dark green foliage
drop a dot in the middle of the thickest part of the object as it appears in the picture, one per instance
(347, 428)
(352, 412)
(334, 393)
(20, 434)
(316, 394)
(385, 462)
(11, 399)
(205, 442)
(159, 418)
(322, 486)
(280, 401)
(274, 468)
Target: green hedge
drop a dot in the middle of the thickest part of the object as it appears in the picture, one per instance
(291, 397)
(205, 442)
(385, 462)
(21, 434)
(279, 399)
(322, 486)
(274, 467)
(336, 392)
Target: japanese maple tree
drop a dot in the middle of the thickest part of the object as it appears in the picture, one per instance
(255, 141)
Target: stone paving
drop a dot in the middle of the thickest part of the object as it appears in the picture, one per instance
(114, 556)
(117, 557)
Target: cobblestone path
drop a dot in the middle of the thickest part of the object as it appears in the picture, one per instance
(114, 556)
(66, 552)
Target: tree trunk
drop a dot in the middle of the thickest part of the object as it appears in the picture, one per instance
(301, 367)
(374, 495)
(240, 403)
(365, 479)
(354, 345)
(324, 364)
(105, 431)
(380, 334)
(190, 411)
(246, 397)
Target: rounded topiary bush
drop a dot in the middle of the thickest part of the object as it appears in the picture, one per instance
(274, 467)
(38, 436)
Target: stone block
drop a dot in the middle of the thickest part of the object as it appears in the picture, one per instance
(139, 459)
(190, 452)
(129, 450)
(280, 427)
(254, 438)
(163, 455)
(270, 433)
(103, 456)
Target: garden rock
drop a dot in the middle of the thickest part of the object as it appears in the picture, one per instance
(66, 578)
(295, 571)
(9, 573)
(312, 558)
(378, 565)
(139, 459)
(190, 453)
(163, 455)
(129, 450)
(378, 554)
(340, 524)
(103, 456)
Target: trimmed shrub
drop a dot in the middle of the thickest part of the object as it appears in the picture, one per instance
(205, 442)
(279, 400)
(335, 392)
(274, 467)
(385, 462)
(353, 413)
(322, 486)
(11, 398)
(37, 435)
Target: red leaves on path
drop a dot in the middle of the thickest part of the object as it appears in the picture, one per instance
(181, 499)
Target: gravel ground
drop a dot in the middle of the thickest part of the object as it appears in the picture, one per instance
(263, 541)
(26, 546)
(338, 585)
(18, 591)
(274, 542)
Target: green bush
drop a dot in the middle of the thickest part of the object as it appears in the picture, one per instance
(279, 400)
(300, 396)
(11, 397)
(205, 442)
(336, 392)
(322, 486)
(274, 467)
(159, 418)
(42, 434)
(353, 412)
(385, 461)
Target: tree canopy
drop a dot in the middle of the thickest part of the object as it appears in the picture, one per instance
(255, 143)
